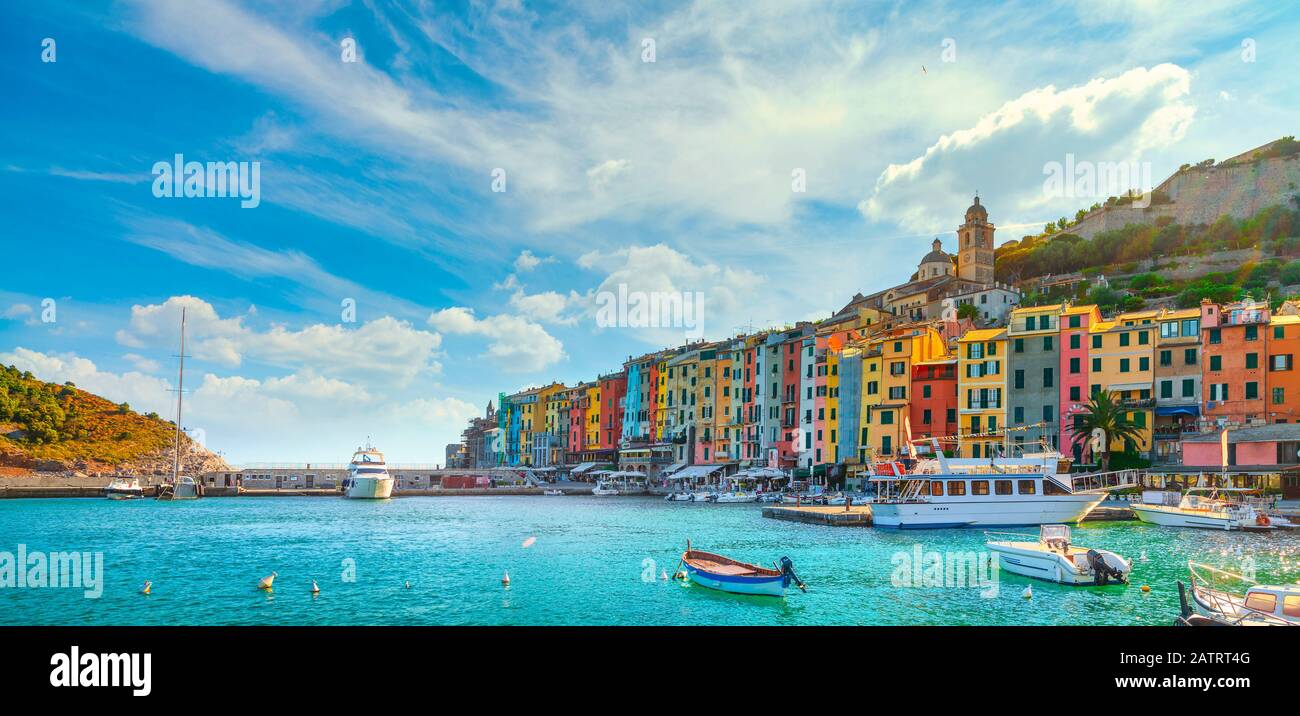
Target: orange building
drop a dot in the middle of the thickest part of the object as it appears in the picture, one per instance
(1235, 346)
(1283, 381)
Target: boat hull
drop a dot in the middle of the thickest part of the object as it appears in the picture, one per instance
(763, 586)
(1047, 510)
(1173, 517)
(370, 488)
(125, 494)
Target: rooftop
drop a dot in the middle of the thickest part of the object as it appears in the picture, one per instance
(1278, 432)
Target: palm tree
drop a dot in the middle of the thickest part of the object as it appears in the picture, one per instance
(1105, 414)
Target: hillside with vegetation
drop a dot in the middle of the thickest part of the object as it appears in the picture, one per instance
(52, 427)
(1164, 264)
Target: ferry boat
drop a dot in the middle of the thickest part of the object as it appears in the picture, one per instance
(368, 477)
(1261, 605)
(1205, 508)
(1052, 557)
(941, 492)
(124, 488)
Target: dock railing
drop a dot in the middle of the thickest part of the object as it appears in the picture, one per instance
(1104, 481)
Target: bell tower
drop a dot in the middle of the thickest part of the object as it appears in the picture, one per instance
(975, 246)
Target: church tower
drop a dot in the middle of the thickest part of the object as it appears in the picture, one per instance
(975, 246)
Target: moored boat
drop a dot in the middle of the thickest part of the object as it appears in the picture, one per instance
(1205, 508)
(678, 497)
(368, 477)
(731, 497)
(605, 488)
(1033, 489)
(1052, 557)
(728, 575)
(553, 493)
(1261, 605)
(124, 488)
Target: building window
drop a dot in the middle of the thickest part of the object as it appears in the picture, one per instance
(1189, 387)
(1252, 390)
(1252, 361)
(1216, 363)
(1189, 356)
(1216, 336)
(1252, 333)
(1280, 362)
(1124, 339)
(1279, 396)
(1019, 382)
(1049, 378)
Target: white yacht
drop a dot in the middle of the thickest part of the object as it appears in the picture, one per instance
(124, 488)
(1206, 508)
(368, 477)
(1052, 557)
(735, 496)
(1034, 489)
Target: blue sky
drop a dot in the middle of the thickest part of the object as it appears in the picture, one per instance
(671, 176)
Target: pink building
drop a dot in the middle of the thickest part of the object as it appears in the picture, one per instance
(1267, 449)
(1074, 345)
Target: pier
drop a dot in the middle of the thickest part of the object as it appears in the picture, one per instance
(835, 516)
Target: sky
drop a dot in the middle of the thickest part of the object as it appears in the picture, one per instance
(448, 191)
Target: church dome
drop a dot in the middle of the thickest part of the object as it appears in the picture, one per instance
(977, 211)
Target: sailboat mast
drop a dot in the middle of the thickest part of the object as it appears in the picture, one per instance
(180, 399)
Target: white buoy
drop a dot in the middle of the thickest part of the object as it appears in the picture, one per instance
(147, 587)
(1028, 593)
(267, 582)
(1143, 557)
(664, 575)
(314, 589)
(506, 579)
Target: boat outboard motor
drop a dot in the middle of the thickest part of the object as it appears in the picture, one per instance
(1102, 572)
(787, 571)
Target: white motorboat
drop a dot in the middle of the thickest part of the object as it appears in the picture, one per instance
(678, 497)
(1205, 508)
(733, 497)
(553, 493)
(1034, 489)
(1052, 557)
(703, 496)
(124, 488)
(1261, 605)
(368, 477)
(605, 488)
(771, 497)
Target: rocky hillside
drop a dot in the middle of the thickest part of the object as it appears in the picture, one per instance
(48, 427)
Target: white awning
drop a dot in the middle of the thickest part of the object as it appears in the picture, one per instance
(695, 472)
(581, 468)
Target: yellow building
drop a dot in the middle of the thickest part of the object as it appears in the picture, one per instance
(981, 392)
(552, 401)
(887, 369)
(1122, 354)
(591, 431)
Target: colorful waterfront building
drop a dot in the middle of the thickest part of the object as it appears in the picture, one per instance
(895, 349)
(1033, 377)
(1121, 353)
(1075, 366)
(1177, 381)
(704, 394)
(1234, 342)
(1283, 381)
(933, 409)
(807, 399)
(548, 430)
(981, 391)
(613, 392)
(680, 425)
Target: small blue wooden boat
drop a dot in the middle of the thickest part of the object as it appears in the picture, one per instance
(726, 574)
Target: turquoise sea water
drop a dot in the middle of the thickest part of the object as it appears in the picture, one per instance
(586, 566)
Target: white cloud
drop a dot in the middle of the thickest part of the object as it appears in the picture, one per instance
(301, 416)
(142, 364)
(384, 348)
(527, 261)
(517, 344)
(1119, 119)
